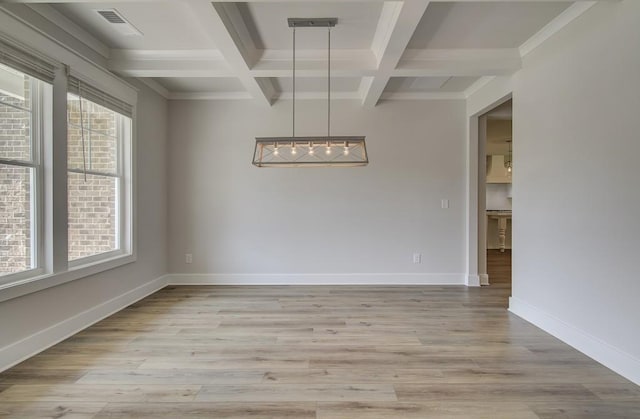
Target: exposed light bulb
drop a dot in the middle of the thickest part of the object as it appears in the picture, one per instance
(346, 150)
(311, 150)
(328, 150)
(275, 150)
(508, 165)
(294, 150)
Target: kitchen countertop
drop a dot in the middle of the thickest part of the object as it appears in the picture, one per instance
(499, 212)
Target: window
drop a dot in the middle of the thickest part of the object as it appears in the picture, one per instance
(20, 170)
(66, 171)
(96, 137)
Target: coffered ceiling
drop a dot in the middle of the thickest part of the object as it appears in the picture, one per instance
(381, 50)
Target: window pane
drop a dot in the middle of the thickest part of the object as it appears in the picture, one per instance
(100, 151)
(15, 88)
(15, 219)
(92, 215)
(15, 118)
(94, 117)
(15, 140)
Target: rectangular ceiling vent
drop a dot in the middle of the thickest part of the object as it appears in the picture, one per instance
(118, 22)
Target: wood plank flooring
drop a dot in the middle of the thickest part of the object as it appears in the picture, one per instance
(499, 266)
(316, 352)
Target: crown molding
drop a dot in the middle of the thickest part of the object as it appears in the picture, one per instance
(156, 87)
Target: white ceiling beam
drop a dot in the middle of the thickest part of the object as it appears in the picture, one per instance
(458, 62)
(209, 96)
(346, 63)
(313, 63)
(414, 63)
(167, 54)
(422, 96)
(312, 69)
(195, 68)
(397, 23)
(170, 68)
(217, 23)
(559, 22)
(319, 95)
(169, 63)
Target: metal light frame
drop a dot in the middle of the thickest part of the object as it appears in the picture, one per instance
(311, 151)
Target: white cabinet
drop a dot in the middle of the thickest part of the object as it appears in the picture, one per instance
(496, 172)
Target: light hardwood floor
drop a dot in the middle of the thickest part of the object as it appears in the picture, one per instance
(316, 352)
(499, 266)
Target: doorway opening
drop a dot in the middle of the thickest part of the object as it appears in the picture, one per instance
(495, 215)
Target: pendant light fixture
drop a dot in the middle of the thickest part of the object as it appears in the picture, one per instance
(310, 151)
(508, 164)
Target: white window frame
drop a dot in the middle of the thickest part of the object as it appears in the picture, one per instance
(123, 194)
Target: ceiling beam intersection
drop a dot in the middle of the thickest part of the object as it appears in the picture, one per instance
(217, 23)
(397, 23)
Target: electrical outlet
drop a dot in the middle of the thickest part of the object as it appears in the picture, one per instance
(417, 258)
(188, 258)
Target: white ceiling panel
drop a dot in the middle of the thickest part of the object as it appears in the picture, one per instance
(201, 84)
(482, 24)
(164, 25)
(267, 24)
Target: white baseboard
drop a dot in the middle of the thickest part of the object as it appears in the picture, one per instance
(611, 357)
(484, 279)
(474, 280)
(17, 352)
(316, 279)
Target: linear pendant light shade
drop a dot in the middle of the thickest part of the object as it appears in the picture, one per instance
(314, 151)
(310, 151)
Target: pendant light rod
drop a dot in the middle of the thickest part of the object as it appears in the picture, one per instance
(345, 151)
(329, 81)
(293, 123)
(322, 22)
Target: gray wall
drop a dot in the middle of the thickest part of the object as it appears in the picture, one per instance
(236, 218)
(576, 200)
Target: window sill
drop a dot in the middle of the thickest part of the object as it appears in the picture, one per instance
(40, 282)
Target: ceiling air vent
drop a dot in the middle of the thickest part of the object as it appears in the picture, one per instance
(118, 22)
